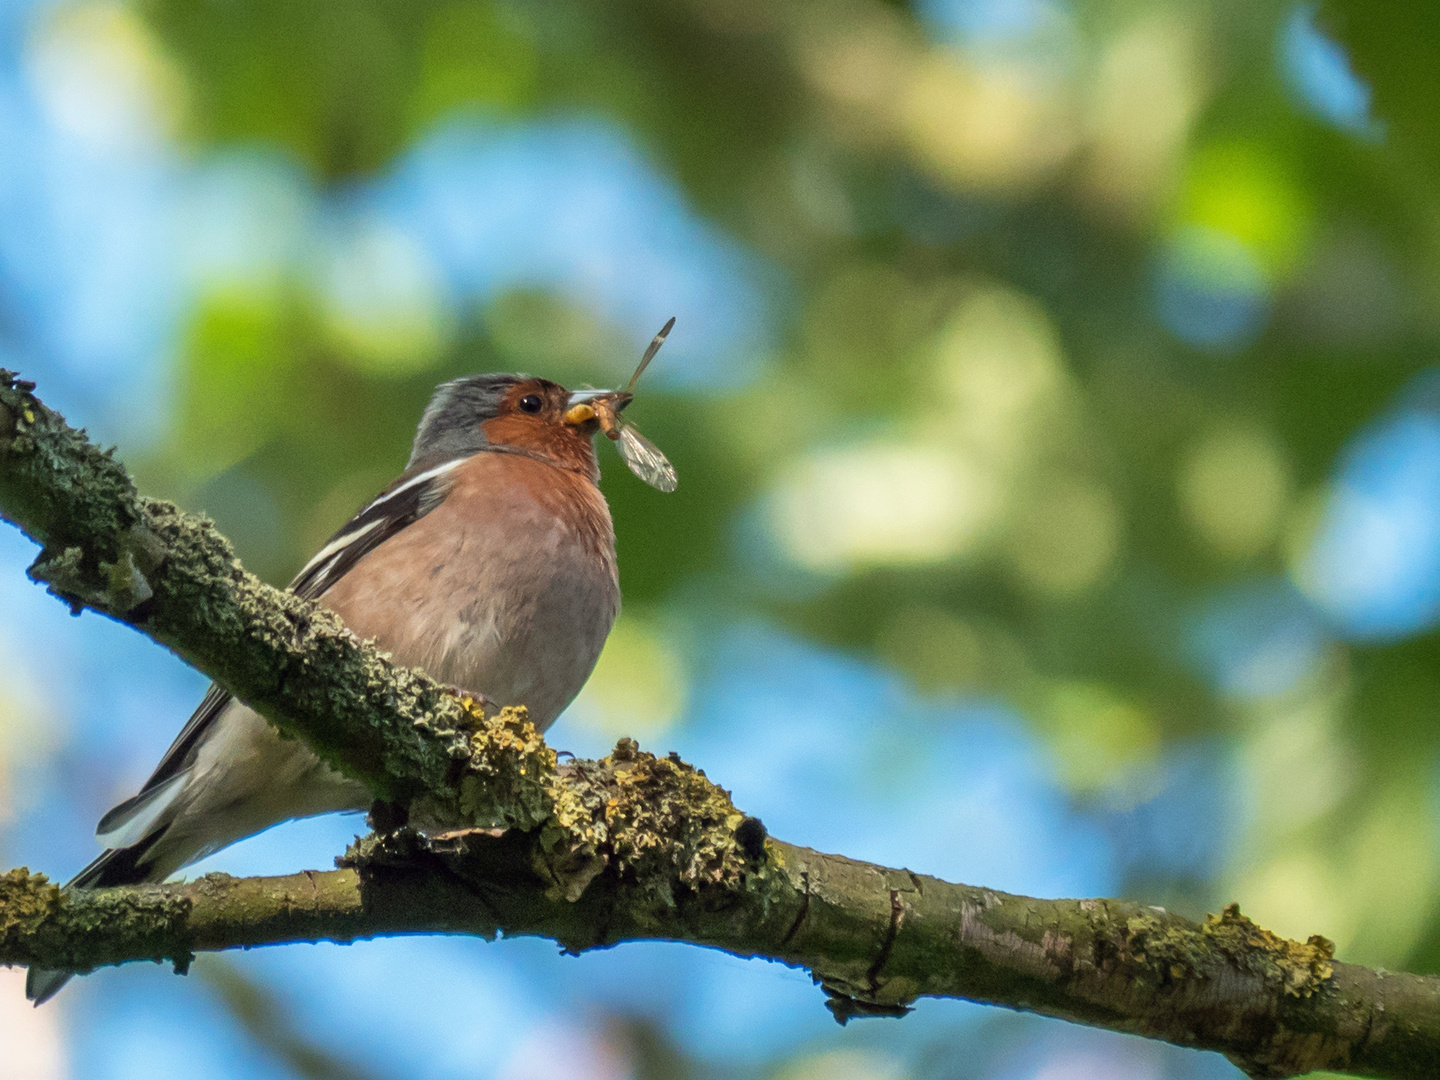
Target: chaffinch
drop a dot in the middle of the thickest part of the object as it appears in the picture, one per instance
(489, 563)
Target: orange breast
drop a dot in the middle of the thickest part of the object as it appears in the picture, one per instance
(508, 588)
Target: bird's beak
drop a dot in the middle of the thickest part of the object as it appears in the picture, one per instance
(578, 396)
(579, 414)
(582, 410)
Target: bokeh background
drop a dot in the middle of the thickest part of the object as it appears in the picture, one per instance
(1056, 404)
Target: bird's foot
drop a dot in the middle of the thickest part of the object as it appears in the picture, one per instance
(387, 817)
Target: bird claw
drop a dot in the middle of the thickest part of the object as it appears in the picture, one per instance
(387, 817)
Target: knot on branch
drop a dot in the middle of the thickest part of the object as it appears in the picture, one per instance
(845, 1008)
(1177, 951)
(119, 587)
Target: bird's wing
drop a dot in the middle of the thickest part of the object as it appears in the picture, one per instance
(406, 501)
(403, 503)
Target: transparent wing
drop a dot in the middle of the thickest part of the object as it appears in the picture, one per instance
(645, 459)
(655, 343)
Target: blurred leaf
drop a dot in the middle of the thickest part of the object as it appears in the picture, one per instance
(269, 1025)
(342, 84)
(1396, 50)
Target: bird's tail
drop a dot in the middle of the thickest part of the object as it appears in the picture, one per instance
(118, 866)
(41, 984)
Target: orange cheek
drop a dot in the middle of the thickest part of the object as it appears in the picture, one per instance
(523, 432)
(558, 441)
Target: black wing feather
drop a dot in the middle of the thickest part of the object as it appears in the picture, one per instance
(403, 503)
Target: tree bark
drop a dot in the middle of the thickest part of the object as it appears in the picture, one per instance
(630, 847)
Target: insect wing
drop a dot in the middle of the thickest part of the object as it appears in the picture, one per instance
(645, 459)
(655, 343)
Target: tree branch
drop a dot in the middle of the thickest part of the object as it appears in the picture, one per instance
(597, 852)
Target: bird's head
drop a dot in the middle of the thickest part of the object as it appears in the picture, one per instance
(513, 412)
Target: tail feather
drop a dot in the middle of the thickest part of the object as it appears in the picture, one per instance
(118, 866)
(41, 984)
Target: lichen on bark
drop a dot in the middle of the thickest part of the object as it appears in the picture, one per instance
(657, 821)
(634, 846)
(27, 902)
(1170, 950)
(47, 926)
(1299, 969)
(509, 779)
(661, 820)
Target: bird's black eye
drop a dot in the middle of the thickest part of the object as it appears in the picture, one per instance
(531, 403)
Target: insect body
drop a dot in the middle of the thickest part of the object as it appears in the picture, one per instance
(641, 455)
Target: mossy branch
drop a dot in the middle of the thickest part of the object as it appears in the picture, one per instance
(592, 853)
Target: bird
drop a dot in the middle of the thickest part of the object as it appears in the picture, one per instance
(489, 562)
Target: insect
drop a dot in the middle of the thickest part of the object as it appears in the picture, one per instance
(641, 455)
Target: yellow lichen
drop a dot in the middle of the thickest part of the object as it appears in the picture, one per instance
(26, 901)
(1179, 951)
(1301, 969)
(657, 821)
(510, 768)
(669, 824)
